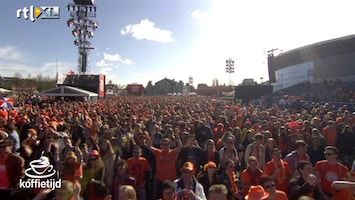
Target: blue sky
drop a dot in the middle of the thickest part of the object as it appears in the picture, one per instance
(142, 40)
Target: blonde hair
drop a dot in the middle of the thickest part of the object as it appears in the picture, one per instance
(130, 191)
(71, 154)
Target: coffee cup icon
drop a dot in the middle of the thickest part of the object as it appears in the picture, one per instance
(41, 166)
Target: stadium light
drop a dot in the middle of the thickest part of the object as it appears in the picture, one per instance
(81, 14)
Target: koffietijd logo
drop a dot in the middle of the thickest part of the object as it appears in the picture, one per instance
(40, 175)
(38, 12)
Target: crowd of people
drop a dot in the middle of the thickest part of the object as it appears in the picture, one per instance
(187, 148)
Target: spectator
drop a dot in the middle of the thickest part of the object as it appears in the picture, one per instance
(330, 133)
(14, 136)
(345, 143)
(344, 189)
(279, 170)
(165, 161)
(229, 179)
(257, 193)
(217, 192)
(251, 175)
(30, 147)
(108, 157)
(228, 151)
(127, 192)
(256, 149)
(305, 184)
(208, 176)
(73, 171)
(268, 184)
(209, 154)
(138, 167)
(202, 133)
(121, 177)
(315, 150)
(187, 186)
(330, 170)
(94, 170)
(12, 167)
(190, 153)
(169, 190)
(297, 155)
(270, 145)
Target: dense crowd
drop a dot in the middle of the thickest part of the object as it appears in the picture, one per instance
(178, 148)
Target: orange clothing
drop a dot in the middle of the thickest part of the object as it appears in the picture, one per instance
(329, 173)
(166, 165)
(75, 175)
(138, 168)
(247, 180)
(280, 195)
(344, 194)
(330, 135)
(281, 181)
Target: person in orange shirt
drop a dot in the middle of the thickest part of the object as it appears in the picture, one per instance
(345, 189)
(268, 184)
(279, 170)
(330, 133)
(330, 170)
(138, 167)
(251, 175)
(73, 171)
(165, 161)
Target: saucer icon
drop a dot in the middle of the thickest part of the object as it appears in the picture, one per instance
(40, 168)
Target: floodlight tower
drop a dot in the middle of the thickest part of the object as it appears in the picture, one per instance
(230, 69)
(81, 13)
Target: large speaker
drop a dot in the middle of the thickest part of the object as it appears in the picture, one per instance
(84, 2)
(251, 92)
(271, 68)
(83, 62)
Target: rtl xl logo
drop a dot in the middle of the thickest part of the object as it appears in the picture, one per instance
(42, 12)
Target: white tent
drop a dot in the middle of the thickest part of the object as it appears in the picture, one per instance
(67, 91)
(3, 91)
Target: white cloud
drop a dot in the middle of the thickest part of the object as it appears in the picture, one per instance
(199, 15)
(146, 30)
(10, 53)
(113, 57)
(109, 60)
(103, 63)
(128, 62)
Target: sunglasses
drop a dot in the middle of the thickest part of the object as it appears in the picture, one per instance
(94, 158)
(328, 154)
(269, 186)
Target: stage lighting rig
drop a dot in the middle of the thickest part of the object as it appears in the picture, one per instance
(81, 14)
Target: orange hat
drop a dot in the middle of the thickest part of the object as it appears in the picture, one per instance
(32, 131)
(257, 192)
(209, 164)
(188, 166)
(94, 153)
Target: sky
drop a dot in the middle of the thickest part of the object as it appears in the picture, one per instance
(147, 40)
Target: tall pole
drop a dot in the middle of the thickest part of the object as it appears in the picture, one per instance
(230, 69)
(81, 14)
